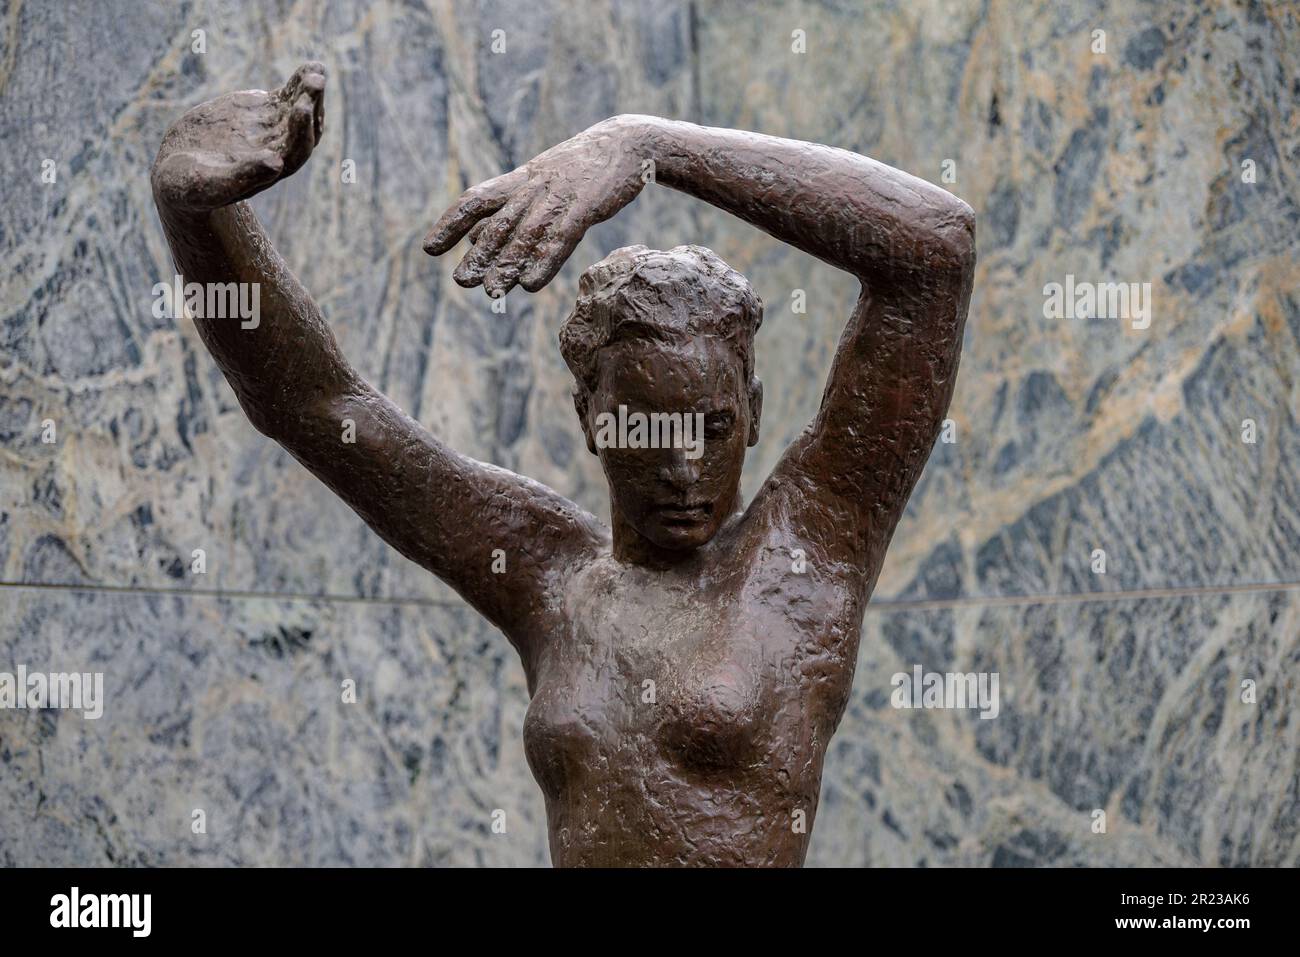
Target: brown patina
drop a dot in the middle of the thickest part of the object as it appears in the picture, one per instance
(688, 665)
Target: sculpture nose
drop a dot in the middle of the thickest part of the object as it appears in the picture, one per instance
(679, 471)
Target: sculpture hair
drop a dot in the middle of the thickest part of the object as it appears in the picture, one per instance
(660, 295)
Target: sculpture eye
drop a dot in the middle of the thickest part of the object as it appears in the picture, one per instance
(718, 425)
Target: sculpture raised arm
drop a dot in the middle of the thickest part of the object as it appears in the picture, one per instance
(437, 507)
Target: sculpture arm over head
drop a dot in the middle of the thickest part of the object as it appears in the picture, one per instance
(911, 244)
(437, 507)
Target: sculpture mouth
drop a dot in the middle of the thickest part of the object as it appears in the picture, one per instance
(683, 514)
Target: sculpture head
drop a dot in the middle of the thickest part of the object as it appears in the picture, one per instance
(664, 332)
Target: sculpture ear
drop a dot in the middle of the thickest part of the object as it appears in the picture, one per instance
(755, 409)
(580, 400)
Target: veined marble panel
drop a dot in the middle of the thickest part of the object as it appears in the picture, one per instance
(237, 708)
(1071, 434)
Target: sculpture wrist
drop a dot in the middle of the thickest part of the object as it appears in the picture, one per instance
(660, 141)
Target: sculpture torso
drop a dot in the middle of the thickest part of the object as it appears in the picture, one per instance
(681, 717)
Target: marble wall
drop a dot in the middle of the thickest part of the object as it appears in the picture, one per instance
(1168, 158)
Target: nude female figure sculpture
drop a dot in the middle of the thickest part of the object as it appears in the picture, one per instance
(751, 661)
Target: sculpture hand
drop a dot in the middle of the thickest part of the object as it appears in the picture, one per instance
(524, 224)
(237, 145)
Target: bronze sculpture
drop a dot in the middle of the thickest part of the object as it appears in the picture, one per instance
(688, 666)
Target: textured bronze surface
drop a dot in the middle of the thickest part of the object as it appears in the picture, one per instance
(689, 665)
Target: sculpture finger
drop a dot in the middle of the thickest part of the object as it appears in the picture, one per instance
(311, 75)
(494, 235)
(553, 252)
(308, 79)
(314, 86)
(520, 252)
(300, 137)
(473, 205)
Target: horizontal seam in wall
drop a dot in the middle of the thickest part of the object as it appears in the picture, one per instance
(888, 605)
(231, 594)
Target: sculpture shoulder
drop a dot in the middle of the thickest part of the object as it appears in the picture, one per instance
(802, 518)
(508, 544)
(537, 509)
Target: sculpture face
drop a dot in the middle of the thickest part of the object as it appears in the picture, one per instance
(673, 500)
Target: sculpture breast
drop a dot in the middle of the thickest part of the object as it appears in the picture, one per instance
(561, 741)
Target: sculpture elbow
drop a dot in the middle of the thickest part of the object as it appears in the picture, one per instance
(263, 416)
(940, 242)
(296, 420)
(955, 237)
